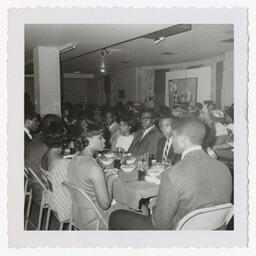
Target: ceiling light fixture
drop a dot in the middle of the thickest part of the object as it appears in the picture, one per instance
(159, 40)
(104, 52)
(68, 47)
(102, 70)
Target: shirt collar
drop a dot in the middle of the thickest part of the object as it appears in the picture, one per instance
(111, 126)
(28, 133)
(191, 149)
(148, 129)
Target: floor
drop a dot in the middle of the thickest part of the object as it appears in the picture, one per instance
(54, 224)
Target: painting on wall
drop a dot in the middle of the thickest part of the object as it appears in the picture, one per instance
(182, 92)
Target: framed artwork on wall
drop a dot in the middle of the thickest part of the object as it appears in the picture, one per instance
(182, 92)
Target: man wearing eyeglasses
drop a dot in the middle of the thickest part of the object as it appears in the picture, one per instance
(146, 139)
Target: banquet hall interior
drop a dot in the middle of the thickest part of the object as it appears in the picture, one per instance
(128, 123)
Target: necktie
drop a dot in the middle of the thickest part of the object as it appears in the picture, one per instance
(166, 150)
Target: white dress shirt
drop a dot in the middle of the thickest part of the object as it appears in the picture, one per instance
(146, 131)
(28, 133)
(112, 125)
(168, 144)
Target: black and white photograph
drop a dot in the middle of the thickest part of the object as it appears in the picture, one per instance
(131, 127)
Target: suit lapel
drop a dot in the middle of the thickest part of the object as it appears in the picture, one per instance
(148, 134)
(162, 147)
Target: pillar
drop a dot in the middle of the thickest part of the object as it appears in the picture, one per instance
(47, 89)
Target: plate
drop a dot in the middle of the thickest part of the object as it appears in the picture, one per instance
(155, 172)
(127, 168)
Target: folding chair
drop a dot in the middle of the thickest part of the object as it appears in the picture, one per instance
(50, 184)
(27, 195)
(76, 190)
(33, 178)
(210, 218)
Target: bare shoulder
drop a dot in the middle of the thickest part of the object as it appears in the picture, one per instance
(95, 172)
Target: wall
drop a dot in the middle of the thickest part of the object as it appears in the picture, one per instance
(29, 87)
(74, 89)
(203, 76)
(178, 70)
(160, 76)
(125, 79)
(228, 79)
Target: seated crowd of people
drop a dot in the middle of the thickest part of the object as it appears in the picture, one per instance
(194, 177)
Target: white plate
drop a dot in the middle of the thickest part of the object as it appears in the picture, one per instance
(155, 172)
(128, 168)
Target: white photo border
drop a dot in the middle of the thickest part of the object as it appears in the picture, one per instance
(17, 18)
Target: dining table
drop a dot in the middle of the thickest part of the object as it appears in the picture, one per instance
(132, 192)
(129, 188)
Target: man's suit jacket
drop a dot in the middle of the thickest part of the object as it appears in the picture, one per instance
(160, 150)
(195, 182)
(148, 144)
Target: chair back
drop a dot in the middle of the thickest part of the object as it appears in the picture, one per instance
(58, 199)
(34, 177)
(78, 192)
(210, 218)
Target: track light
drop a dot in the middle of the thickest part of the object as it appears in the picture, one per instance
(68, 47)
(159, 40)
(104, 52)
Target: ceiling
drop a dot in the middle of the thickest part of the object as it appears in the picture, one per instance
(202, 42)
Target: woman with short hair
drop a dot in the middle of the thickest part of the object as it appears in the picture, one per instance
(125, 139)
(85, 173)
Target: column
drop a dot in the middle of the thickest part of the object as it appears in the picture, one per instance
(47, 80)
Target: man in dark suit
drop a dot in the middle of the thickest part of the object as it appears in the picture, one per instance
(31, 124)
(146, 139)
(165, 152)
(197, 181)
(113, 129)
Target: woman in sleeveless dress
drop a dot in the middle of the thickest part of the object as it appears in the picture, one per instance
(85, 173)
(56, 166)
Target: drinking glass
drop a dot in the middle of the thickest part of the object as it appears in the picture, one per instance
(167, 162)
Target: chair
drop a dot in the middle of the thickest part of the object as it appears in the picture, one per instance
(210, 218)
(27, 194)
(52, 201)
(74, 190)
(32, 177)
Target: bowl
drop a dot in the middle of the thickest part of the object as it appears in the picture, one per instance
(128, 168)
(106, 161)
(109, 155)
(130, 160)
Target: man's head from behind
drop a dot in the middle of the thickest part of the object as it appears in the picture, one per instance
(187, 132)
